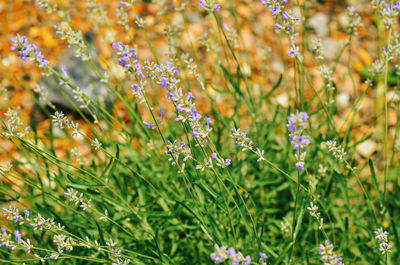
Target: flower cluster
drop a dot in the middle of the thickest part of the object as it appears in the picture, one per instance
(6, 240)
(296, 126)
(285, 226)
(375, 69)
(326, 73)
(79, 158)
(382, 237)
(45, 4)
(41, 223)
(392, 49)
(353, 19)
(276, 6)
(62, 243)
(328, 255)
(313, 210)
(175, 150)
(246, 143)
(12, 213)
(14, 126)
(115, 253)
(28, 51)
(60, 120)
(73, 194)
(96, 12)
(231, 35)
(337, 150)
(286, 21)
(241, 139)
(388, 12)
(316, 47)
(74, 39)
(210, 5)
(222, 254)
(126, 56)
(263, 257)
(95, 143)
(166, 75)
(208, 162)
(192, 68)
(43, 95)
(221, 162)
(38, 223)
(139, 21)
(150, 125)
(123, 16)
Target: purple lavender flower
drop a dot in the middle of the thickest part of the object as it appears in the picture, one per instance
(147, 125)
(135, 87)
(275, 11)
(220, 254)
(171, 96)
(195, 115)
(166, 76)
(17, 236)
(296, 126)
(262, 258)
(285, 15)
(195, 134)
(162, 113)
(163, 82)
(278, 26)
(327, 253)
(299, 142)
(287, 21)
(235, 261)
(125, 55)
(208, 120)
(227, 162)
(28, 51)
(300, 166)
(297, 122)
(217, 7)
(189, 95)
(247, 260)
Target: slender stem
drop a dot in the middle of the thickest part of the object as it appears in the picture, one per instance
(295, 214)
(385, 135)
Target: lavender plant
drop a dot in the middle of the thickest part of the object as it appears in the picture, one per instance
(200, 150)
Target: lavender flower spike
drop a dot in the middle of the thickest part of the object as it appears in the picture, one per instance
(296, 126)
(28, 51)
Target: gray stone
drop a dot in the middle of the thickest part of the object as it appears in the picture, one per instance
(80, 75)
(330, 48)
(319, 22)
